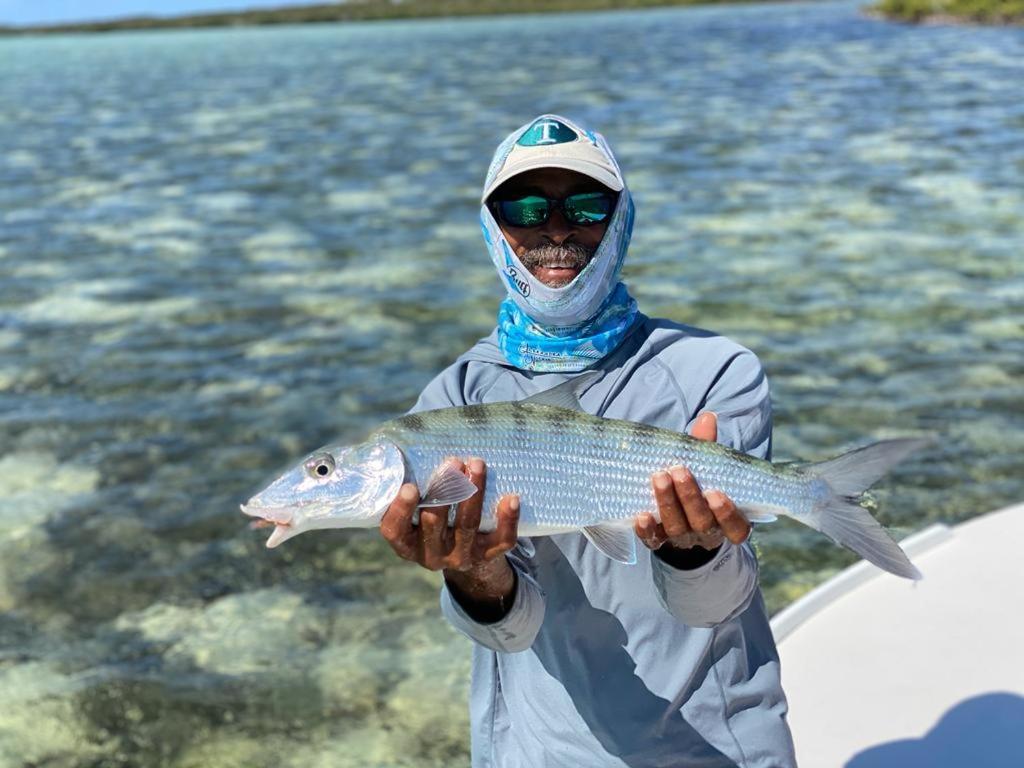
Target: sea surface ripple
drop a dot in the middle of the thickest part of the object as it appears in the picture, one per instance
(220, 249)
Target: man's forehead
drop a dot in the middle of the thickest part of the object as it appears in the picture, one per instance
(552, 181)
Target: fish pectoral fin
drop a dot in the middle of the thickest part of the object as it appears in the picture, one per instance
(761, 513)
(614, 541)
(566, 394)
(447, 486)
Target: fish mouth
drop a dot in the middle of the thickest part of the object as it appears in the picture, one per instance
(278, 517)
(268, 515)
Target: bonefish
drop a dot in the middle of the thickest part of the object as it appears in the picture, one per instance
(573, 472)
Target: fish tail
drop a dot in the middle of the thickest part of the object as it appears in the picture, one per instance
(842, 518)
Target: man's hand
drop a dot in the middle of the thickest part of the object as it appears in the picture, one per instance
(690, 518)
(475, 568)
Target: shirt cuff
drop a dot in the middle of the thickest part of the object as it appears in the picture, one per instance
(513, 632)
(711, 593)
(725, 553)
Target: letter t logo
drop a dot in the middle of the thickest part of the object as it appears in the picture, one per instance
(545, 132)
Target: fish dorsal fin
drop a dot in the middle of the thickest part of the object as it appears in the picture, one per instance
(566, 394)
(448, 485)
(762, 513)
(614, 541)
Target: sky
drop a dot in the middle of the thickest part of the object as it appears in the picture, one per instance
(15, 12)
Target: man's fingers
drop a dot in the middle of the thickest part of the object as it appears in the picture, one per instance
(732, 522)
(699, 516)
(434, 541)
(673, 519)
(467, 518)
(706, 427)
(435, 545)
(650, 532)
(503, 537)
(396, 525)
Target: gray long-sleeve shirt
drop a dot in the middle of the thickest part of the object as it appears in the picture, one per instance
(603, 664)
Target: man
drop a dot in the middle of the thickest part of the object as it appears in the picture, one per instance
(580, 660)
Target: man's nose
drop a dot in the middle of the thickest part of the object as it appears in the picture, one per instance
(556, 228)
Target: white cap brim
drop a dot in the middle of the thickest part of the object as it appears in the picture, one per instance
(593, 170)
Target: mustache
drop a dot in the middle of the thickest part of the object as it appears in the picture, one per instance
(568, 255)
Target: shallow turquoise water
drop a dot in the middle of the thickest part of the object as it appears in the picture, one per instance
(220, 249)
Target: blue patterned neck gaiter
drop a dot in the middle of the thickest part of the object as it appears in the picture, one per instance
(531, 346)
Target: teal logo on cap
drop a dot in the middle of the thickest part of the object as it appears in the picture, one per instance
(547, 131)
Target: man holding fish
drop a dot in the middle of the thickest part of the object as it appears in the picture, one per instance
(580, 660)
(587, 653)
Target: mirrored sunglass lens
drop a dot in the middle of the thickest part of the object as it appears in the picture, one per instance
(588, 208)
(525, 212)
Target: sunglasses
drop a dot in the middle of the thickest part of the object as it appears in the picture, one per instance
(582, 210)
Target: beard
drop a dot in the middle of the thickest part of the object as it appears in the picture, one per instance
(566, 256)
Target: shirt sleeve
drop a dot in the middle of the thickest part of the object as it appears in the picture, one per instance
(517, 629)
(443, 391)
(722, 588)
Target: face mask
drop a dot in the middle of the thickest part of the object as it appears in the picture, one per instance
(559, 311)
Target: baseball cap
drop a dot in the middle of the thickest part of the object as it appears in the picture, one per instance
(553, 141)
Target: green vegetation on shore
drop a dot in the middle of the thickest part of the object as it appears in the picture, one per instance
(969, 11)
(354, 10)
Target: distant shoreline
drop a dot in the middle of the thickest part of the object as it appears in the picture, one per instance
(355, 10)
(966, 12)
(963, 12)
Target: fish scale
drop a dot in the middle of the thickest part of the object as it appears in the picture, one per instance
(571, 469)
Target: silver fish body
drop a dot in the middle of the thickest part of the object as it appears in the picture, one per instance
(573, 472)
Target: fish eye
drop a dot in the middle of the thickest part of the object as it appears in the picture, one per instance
(320, 466)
